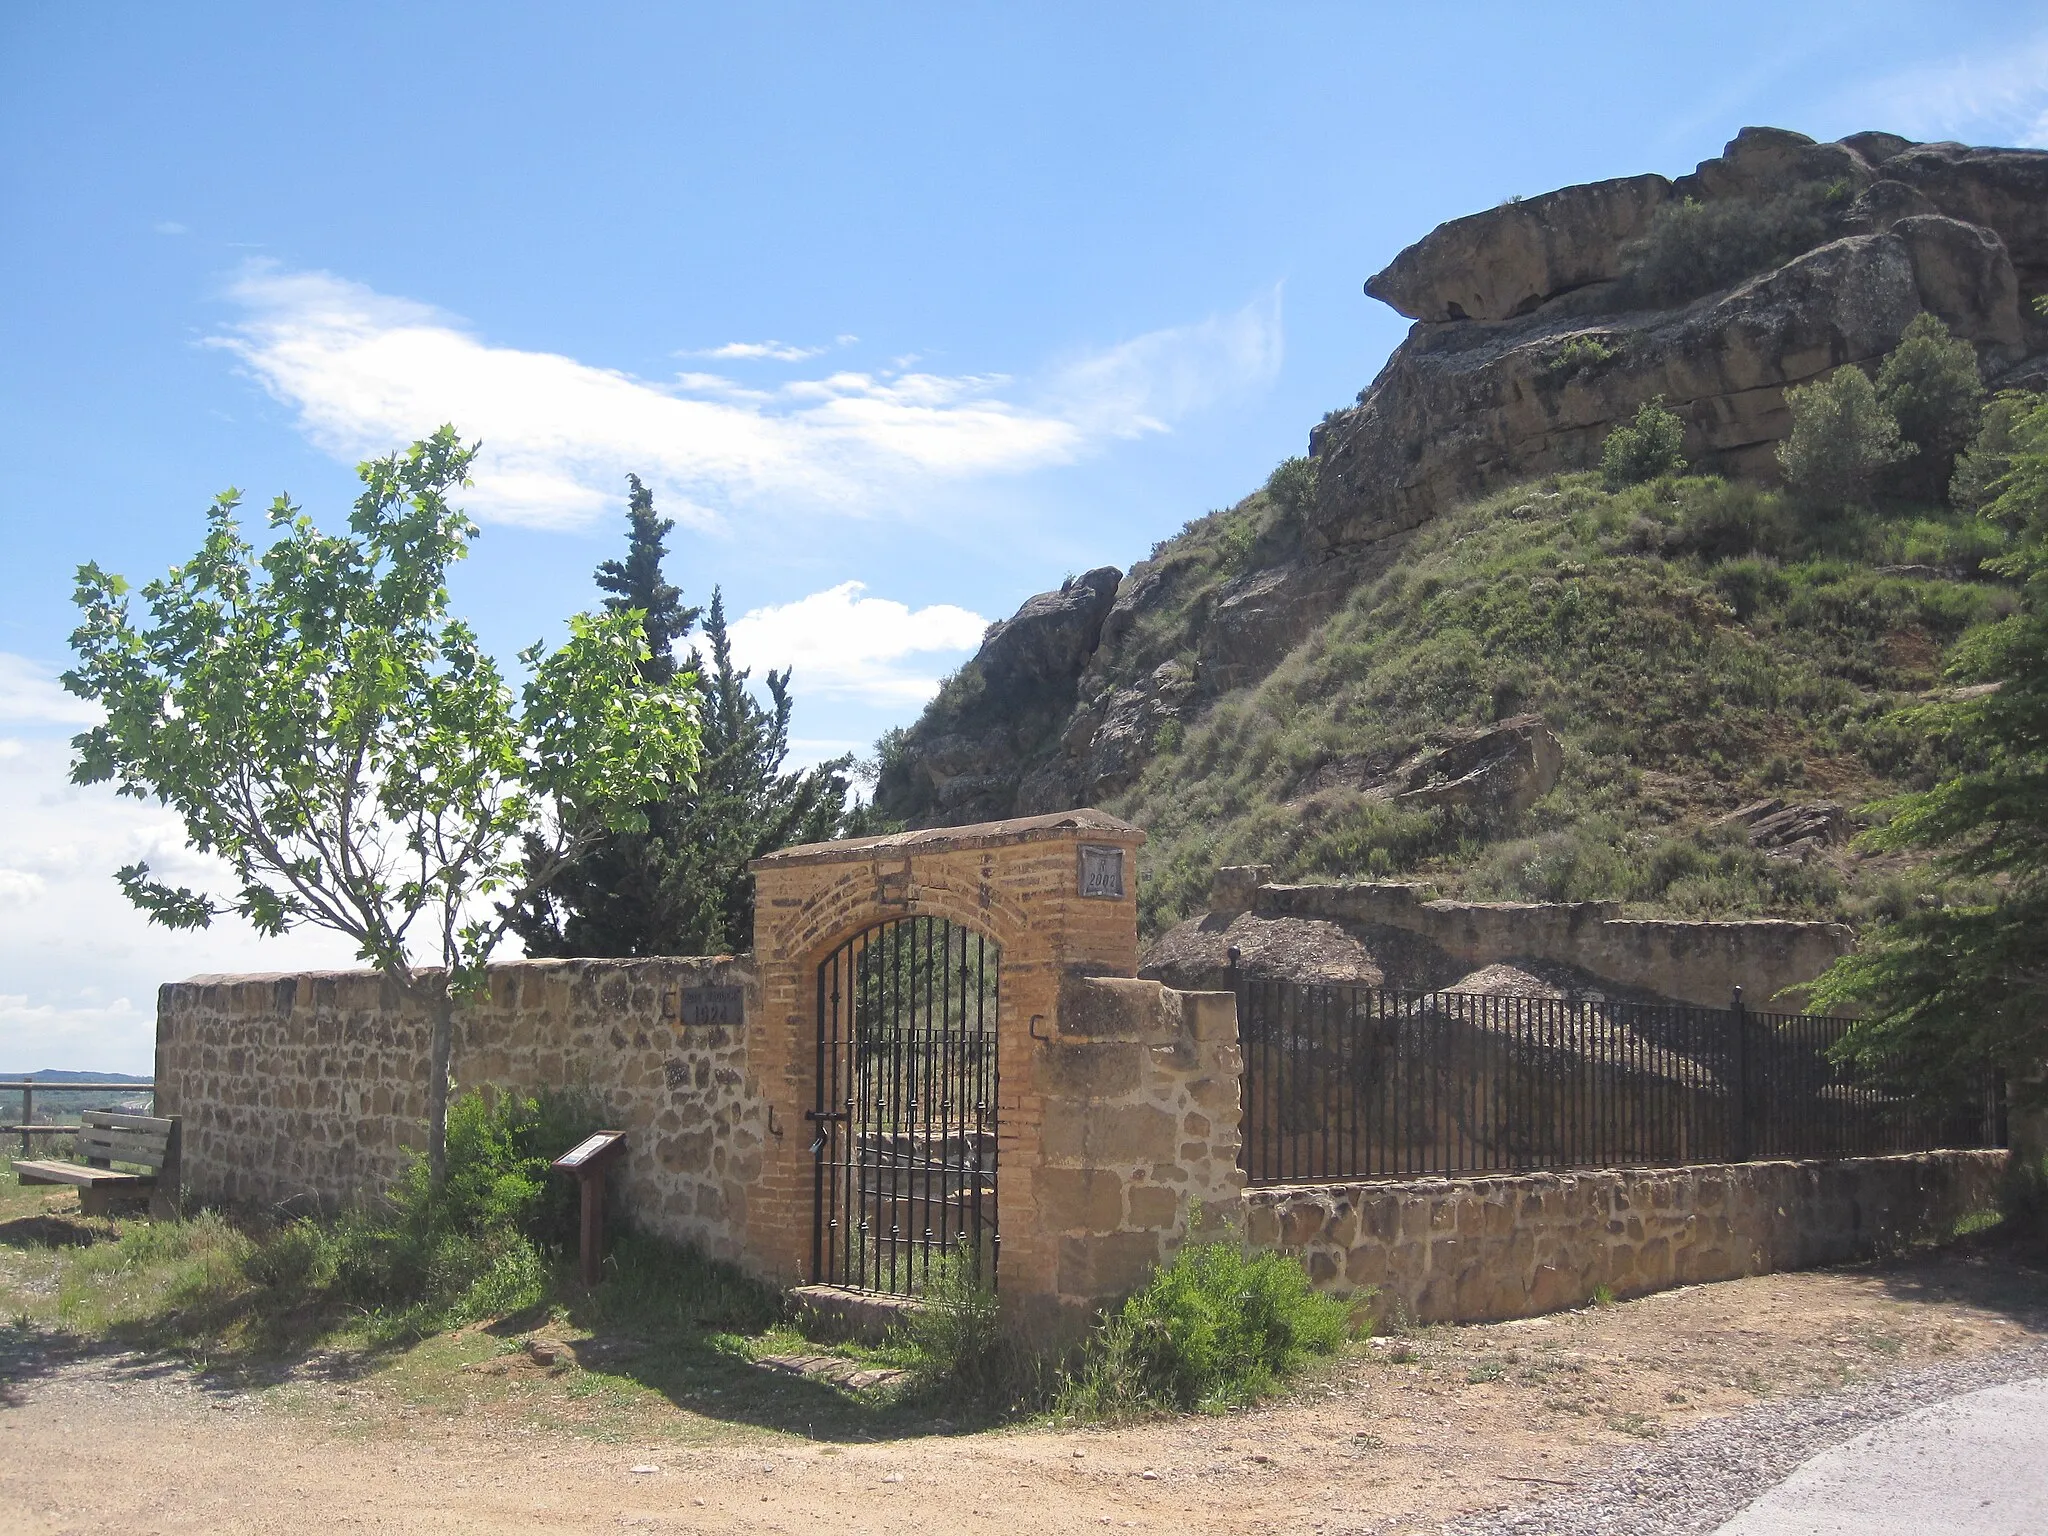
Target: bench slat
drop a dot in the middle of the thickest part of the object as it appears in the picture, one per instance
(114, 1121)
(74, 1173)
(152, 1158)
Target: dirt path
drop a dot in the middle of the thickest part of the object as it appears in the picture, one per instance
(1411, 1433)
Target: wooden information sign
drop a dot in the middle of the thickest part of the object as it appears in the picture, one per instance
(588, 1162)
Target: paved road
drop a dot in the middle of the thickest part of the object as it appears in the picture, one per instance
(1976, 1465)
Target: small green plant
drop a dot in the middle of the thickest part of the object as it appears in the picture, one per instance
(1486, 1370)
(1843, 436)
(1931, 386)
(1690, 248)
(1603, 1295)
(1581, 352)
(1217, 1327)
(1646, 447)
(1292, 487)
(958, 1342)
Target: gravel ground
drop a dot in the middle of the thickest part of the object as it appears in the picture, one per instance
(1700, 1477)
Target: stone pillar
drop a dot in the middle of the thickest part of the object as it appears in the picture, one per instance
(1139, 1085)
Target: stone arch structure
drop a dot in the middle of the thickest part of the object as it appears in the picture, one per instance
(1058, 893)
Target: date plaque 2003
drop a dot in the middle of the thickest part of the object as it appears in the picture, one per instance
(1102, 872)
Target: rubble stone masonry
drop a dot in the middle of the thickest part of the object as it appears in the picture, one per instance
(1483, 1249)
(310, 1090)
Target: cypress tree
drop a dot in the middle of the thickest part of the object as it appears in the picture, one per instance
(682, 887)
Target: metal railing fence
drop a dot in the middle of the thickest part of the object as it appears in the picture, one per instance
(58, 1093)
(1346, 1082)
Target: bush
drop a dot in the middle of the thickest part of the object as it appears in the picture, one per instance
(1931, 386)
(1292, 488)
(1979, 471)
(1842, 437)
(1690, 248)
(1581, 353)
(957, 1340)
(1644, 449)
(1219, 1326)
(479, 1247)
(1724, 519)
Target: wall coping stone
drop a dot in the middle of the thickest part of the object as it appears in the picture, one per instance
(1056, 826)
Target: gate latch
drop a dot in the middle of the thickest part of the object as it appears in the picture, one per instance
(820, 1118)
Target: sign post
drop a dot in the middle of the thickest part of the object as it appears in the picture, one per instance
(589, 1160)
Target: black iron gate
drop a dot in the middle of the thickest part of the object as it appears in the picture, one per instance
(905, 1121)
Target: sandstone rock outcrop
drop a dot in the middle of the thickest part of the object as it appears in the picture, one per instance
(1536, 333)
(1482, 390)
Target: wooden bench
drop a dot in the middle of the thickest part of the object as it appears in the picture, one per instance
(103, 1139)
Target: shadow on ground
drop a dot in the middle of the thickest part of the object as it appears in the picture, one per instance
(1997, 1271)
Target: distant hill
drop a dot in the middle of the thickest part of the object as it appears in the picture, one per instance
(52, 1075)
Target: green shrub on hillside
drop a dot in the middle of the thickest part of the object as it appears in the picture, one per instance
(1980, 471)
(1931, 386)
(1843, 437)
(1219, 1326)
(1292, 488)
(1691, 248)
(1648, 446)
(1694, 641)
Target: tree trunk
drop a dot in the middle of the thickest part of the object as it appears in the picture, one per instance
(441, 1043)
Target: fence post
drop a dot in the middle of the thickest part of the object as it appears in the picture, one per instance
(28, 1115)
(1738, 1109)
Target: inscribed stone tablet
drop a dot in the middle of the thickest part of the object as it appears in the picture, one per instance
(1102, 872)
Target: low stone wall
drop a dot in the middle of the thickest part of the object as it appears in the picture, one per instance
(1483, 1249)
(311, 1089)
(1689, 962)
(1140, 1088)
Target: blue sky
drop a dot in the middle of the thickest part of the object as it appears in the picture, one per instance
(905, 312)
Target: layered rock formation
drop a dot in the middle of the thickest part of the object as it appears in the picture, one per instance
(1539, 325)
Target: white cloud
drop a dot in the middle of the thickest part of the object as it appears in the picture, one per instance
(844, 645)
(1994, 97)
(31, 693)
(169, 227)
(366, 371)
(19, 886)
(747, 351)
(82, 965)
(1147, 383)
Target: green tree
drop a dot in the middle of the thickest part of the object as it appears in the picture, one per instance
(1931, 386)
(636, 584)
(1647, 446)
(679, 885)
(1842, 437)
(349, 752)
(1946, 987)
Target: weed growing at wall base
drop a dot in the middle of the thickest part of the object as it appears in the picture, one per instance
(1219, 1326)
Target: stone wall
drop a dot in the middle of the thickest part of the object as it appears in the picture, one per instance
(1689, 962)
(1482, 1249)
(1140, 1133)
(311, 1089)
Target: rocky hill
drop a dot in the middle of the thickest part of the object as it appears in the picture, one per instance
(1330, 675)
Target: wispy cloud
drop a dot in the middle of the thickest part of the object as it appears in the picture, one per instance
(1998, 96)
(31, 694)
(771, 351)
(169, 227)
(843, 645)
(1149, 382)
(365, 371)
